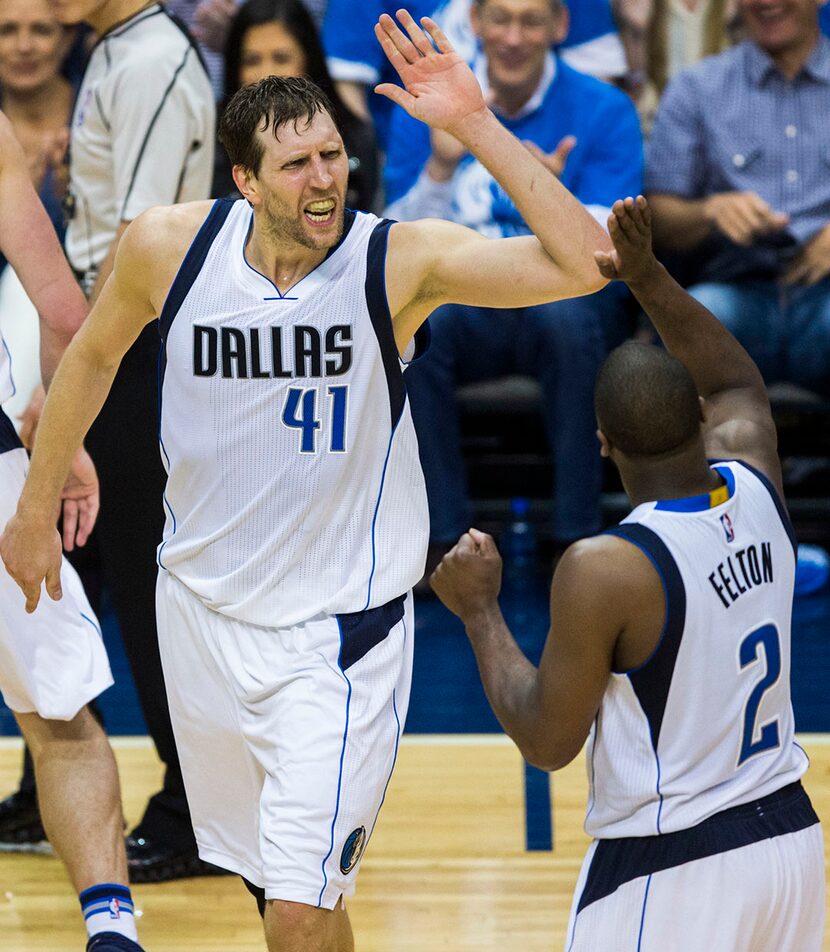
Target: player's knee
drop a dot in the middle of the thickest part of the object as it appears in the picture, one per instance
(297, 927)
(40, 732)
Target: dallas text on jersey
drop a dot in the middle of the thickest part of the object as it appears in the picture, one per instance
(273, 351)
(753, 569)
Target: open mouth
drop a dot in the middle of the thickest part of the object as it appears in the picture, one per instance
(320, 212)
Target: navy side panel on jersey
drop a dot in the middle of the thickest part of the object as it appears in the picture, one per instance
(9, 440)
(362, 631)
(652, 679)
(619, 861)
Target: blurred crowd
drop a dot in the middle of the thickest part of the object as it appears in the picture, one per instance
(716, 109)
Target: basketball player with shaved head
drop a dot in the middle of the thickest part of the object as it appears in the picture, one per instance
(53, 664)
(669, 649)
(296, 511)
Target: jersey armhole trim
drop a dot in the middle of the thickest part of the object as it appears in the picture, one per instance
(381, 317)
(766, 482)
(192, 262)
(651, 680)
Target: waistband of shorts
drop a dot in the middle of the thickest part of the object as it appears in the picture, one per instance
(9, 440)
(616, 862)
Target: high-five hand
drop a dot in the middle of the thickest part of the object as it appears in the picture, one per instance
(439, 88)
(629, 226)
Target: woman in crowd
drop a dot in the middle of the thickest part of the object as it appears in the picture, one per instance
(35, 95)
(279, 38)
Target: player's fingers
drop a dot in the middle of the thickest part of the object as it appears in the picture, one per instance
(645, 211)
(395, 57)
(32, 594)
(605, 263)
(70, 523)
(438, 35)
(53, 583)
(484, 542)
(636, 213)
(399, 96)
(398, 39)
(419, 39)
(626, 223)
(86, 523)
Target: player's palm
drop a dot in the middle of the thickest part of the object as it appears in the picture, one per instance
(439, 88)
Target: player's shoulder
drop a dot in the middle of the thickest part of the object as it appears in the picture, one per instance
(607, 566)
(159, 237)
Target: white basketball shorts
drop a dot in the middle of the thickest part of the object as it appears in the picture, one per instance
(749, 879)
(53, 661)
(287, 737)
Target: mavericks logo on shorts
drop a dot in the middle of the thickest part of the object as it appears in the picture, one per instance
(353, 849)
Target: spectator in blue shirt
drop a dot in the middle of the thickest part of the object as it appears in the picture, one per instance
(592, 44)
(588, 135)
(739, 177)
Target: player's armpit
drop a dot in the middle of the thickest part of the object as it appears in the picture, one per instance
(751, 437)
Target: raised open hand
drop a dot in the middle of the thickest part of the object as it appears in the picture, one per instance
(439, 87)
(629, 226)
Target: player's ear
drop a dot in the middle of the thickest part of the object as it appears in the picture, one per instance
(246, 182)
(604, 445)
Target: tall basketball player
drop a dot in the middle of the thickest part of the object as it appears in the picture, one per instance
(296, 513)
(670, 643)
(53, 664)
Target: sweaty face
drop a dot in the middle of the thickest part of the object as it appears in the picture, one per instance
(516, 35)
(779, 25)
(301, 185)
(32, 45)
(269, 50)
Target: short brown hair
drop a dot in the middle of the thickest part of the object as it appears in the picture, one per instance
(265, 105)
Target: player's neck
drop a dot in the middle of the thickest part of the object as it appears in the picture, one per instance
(283, 263)
(112, 12)
(674, 476)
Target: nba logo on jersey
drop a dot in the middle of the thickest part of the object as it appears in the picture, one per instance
(115, 908)
(729, 531)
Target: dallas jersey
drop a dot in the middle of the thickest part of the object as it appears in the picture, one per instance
(294, 484)
(7, 388)
(706, 722)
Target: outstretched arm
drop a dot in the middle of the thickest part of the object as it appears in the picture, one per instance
(456, 264)
(738, 419)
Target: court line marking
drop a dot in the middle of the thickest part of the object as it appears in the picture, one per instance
(408, 740)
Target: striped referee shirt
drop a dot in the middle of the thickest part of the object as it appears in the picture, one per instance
(142, 131)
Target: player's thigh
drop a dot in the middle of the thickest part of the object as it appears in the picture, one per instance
(222, 778)
(53, 661)
(765, 897)
(335, 730)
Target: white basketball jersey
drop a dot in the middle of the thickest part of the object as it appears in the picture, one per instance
(294, 484)
(7, 388)
(706, 722)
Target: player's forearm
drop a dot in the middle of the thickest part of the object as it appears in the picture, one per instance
(78, 391)
(509, 680)
(566, 230)
(679, 224)
(715, 359)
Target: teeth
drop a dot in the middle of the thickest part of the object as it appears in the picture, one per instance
(320, 208)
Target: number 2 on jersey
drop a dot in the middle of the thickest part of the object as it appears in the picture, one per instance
(766, 636)
(300, 413)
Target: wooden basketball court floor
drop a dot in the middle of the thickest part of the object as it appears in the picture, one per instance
(446, 869)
